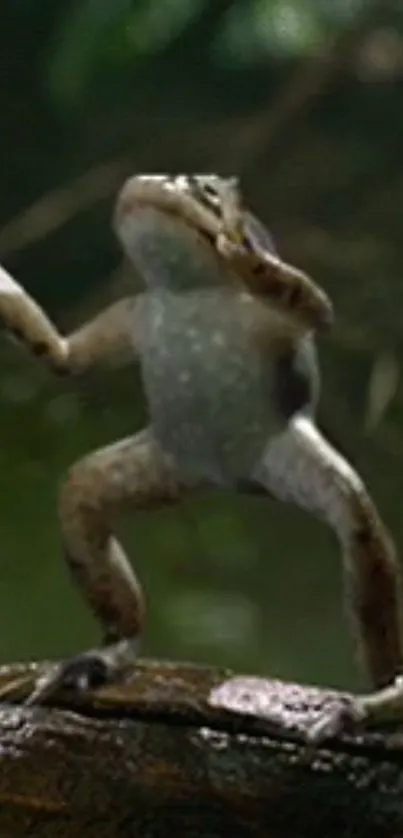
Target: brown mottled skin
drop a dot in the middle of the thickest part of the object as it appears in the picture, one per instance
(224, 333)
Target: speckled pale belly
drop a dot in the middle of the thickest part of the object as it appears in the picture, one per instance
(208, 385)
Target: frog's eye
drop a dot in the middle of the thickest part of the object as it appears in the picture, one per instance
(210, 190)
(204, 190)
(204, 185)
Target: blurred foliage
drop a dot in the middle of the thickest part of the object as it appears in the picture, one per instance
(302, 98)
(98, 36)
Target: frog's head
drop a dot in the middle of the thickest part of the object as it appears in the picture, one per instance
(169, 224)
(188, 231)
(198, 200)
(195, 199)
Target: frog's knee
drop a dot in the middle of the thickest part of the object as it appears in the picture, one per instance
(80, 492)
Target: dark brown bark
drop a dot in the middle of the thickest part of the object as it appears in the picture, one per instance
(190, 751)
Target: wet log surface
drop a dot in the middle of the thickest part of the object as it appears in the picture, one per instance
(193, 751)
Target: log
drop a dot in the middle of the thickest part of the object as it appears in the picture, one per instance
(191, 751)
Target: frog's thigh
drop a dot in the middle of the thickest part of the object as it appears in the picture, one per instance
(133, 472)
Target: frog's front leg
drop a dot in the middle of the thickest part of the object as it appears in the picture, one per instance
(131, 473)
(109, 335)
(300, 466)
(287, 288)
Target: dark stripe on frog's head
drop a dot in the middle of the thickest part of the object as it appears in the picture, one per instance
(208, 189)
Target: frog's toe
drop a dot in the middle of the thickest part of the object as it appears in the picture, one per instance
(345, 717)
(80, 674)
(86, 671)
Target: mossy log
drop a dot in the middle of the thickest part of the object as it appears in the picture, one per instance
(191, 751)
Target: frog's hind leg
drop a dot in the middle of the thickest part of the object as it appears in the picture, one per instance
(131, 473)
(300, 466)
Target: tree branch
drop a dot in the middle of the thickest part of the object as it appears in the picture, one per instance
(191, 751)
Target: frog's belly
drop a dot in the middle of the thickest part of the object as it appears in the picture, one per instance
(209, 396)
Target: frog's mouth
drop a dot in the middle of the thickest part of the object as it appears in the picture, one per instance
(181, 196)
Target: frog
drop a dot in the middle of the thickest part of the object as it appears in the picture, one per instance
(225, 334)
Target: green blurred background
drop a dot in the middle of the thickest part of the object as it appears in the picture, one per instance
(303, 99)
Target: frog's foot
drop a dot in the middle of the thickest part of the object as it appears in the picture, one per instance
(86, 671)
(352, 714)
